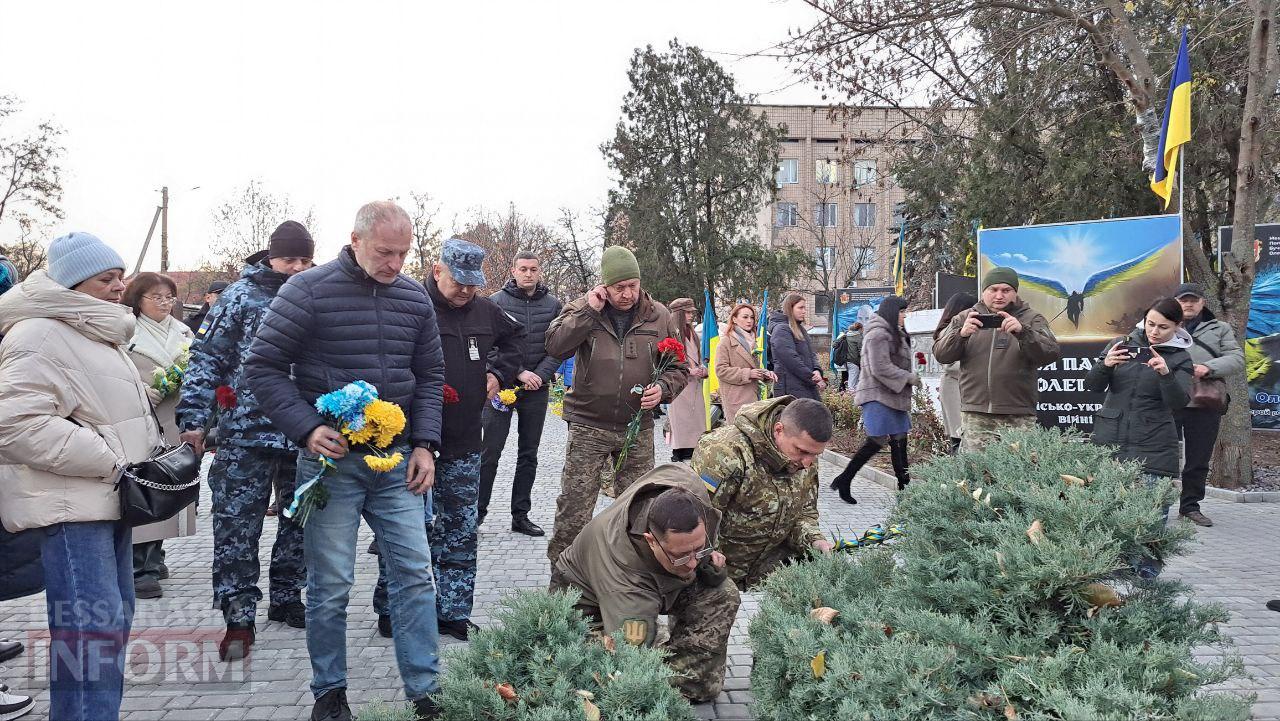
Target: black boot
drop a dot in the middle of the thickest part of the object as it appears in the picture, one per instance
(898, 451)
(842, 481)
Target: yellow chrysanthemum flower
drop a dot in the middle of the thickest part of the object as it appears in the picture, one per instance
(382, 464)
(508, 396)
(387, 421)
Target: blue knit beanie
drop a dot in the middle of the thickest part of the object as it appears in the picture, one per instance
(78, 257)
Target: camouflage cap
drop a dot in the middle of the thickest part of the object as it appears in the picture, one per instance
(465, 261)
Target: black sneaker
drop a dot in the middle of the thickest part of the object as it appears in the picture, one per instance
(460, 630)
(237, 642)
(1274, 605)
(292, 613)
(522, 524)
(384, 625)
(12, 705)
(9, 649)
(426, 709)
(147, 587)
(332, 706)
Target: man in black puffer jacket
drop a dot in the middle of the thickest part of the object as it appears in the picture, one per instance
(357, 318)
(526, 299)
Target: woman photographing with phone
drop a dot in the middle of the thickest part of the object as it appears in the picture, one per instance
(1146, 376)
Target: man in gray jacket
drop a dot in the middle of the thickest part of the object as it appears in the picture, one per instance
(525, 299)
(1216, 354)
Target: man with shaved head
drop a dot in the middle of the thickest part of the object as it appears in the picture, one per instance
(357, 318)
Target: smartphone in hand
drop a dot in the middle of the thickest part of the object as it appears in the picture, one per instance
(990, 320)
(1139, 353)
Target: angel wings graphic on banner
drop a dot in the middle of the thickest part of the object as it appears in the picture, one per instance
(1096, 284)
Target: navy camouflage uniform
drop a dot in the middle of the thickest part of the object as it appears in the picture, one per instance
(252, 455)
(477, 339)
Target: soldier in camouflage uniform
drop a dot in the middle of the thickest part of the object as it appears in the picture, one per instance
(252, 455)
(762, 474)
(483, 351)
(612, 333)
(649, 554)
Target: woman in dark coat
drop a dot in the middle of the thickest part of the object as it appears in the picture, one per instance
(884, 393)
(1137, 415)
(793, 358)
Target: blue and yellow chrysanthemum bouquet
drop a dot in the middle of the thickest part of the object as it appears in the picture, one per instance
(358, 414)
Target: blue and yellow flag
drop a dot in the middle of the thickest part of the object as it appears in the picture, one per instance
(762, 340)
(900, 261)
(710, 341)
(1176, 130)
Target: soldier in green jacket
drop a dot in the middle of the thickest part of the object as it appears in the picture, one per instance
(649, 554)
(762, 474)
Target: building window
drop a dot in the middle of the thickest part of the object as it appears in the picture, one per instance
(824, 257)
(824, 215)
(865, 262)
(788, 171)
(864, 215)
(821, 306)
(785, 215)
(864, 172)
(827, 172)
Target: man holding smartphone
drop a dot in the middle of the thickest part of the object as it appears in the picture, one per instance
(1000, 343)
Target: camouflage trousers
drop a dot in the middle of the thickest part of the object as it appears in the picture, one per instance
(698, 645)
(979, 429)
(240, 482)
(451, 530)
(592, 452)
(746, 573)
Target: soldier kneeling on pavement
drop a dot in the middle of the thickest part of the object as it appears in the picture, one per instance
(762, 474)
(650, 554)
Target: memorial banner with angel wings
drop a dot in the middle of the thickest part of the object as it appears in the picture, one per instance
(1092, 281)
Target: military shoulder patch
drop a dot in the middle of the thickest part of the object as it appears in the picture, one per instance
(635, 631)
(711, 483)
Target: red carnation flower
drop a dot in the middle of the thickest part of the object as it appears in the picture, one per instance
(225, 397)
(672, 347)
(450, 395)
(920, 359)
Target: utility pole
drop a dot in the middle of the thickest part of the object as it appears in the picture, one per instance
(164, 229)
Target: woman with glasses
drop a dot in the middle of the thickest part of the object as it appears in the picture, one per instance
(159, 347)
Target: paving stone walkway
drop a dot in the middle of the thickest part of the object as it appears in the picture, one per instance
(176, 675)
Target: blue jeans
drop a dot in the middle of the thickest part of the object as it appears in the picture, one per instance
(395, 515)
(88, 571)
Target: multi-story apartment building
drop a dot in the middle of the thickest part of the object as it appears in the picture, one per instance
(835, 195)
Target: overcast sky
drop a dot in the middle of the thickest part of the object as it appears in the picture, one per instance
(337, 103)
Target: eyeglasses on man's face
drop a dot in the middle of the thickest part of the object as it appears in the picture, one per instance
(683, 560)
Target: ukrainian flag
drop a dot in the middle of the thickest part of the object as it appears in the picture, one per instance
(762, 340)
(710, 342)
(1176, 130)
(900, 261)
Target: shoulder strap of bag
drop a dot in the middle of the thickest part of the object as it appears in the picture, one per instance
(1204, 345)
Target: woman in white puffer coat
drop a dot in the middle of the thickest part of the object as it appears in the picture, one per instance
(73, 413)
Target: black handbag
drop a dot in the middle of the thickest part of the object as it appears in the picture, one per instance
(158, 488)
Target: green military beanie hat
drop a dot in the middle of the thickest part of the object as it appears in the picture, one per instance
(618, 264)
(1008, 276)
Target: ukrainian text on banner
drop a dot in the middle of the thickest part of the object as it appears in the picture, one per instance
(1091, 280)
(1262, 347)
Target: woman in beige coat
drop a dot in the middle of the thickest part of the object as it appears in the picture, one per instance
(73, 414)
(737, 365)
(687, 412)
(160, 341)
